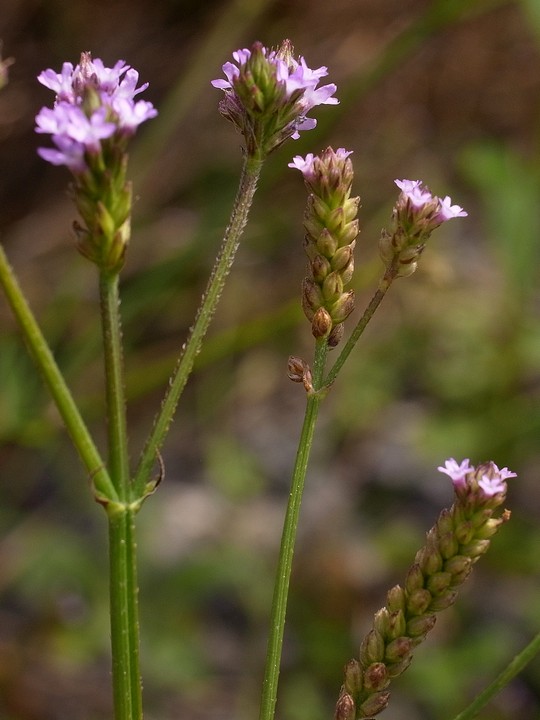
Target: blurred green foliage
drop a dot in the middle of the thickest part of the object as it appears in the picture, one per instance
(447, 91)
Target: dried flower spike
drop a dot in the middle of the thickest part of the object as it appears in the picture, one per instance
(416, 214)
(331, 230)
(94, 115)
(268, 94)
(457, 540)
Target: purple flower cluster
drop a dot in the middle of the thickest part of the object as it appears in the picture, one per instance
(309, 165)
(268, 94)
(93, 103)
(418, 198)
(293, 75)
(486, 478)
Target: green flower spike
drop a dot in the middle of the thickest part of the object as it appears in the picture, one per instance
(331, 230)
(457, 540)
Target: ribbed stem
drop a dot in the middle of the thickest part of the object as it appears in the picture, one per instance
(43, 357)
(126, 677)
(288, 540)
(114, 383)
(248, 183)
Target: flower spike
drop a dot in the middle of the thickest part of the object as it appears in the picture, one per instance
(331, 229)
(93, 117)
(457, 540)
(416, 214)
(268, 94)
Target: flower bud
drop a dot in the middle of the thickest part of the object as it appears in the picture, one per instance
(376, 677)
(353, 677)
(321, 325)
(398, 649)
(438, 582)
(343, 307)
(375, 704)
(420, 626)
(396, 598)
(336, 335)
(414, 579)
(418, 601)
(372, 648)
(345, 708)
(332, 287)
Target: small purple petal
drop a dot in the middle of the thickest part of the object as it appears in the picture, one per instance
(414, 192)
(492, 486)
(457, 473)
(447, 211)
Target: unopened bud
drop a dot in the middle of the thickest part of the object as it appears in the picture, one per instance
(336, 335)
(419, 601)
(443, 601)
(353, 677)
(376, 677)
(395, 600)
(343, 307)
(332, 287)
(414, 579)
(438, 582)
(420, 626)
(321, 325)
(327, 244)
(372, 648)
(345, 708)
(375, 704)
(398, 649)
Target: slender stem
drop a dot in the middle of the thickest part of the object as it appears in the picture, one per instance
(375, 301)
(43, 357)
(510, 672)
(248, 183)
(114, 383)
(126, 676)
(123, 589)
(288, 539)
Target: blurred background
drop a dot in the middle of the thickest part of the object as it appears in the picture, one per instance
(447, 91)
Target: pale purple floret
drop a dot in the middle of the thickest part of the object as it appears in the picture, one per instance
(69, 153)
(419, 196)
(294, 75)
(447, 211)
(306, 165)
(415, 192)
(491, 485)
(457, 473)
(487, 477)
(75, 129)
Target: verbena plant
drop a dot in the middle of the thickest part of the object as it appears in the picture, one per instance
(267, 96)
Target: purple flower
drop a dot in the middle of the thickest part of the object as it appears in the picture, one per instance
(447, 211)
(274, 91)
(94, 103)
(306, 165)
(423, 203)
(484, 481)
(414, 192)
(457, 473)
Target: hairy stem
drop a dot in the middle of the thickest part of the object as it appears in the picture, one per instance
(288, 540)
(43, 357)
(248, 183)
(114, 384)
(126, 677)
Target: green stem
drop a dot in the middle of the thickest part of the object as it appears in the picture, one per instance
(123, 589)
(288, 539)
(114, 383)
(375, 301)
(248, 183)
(510, 672)
(126, 676)
(54, 380)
